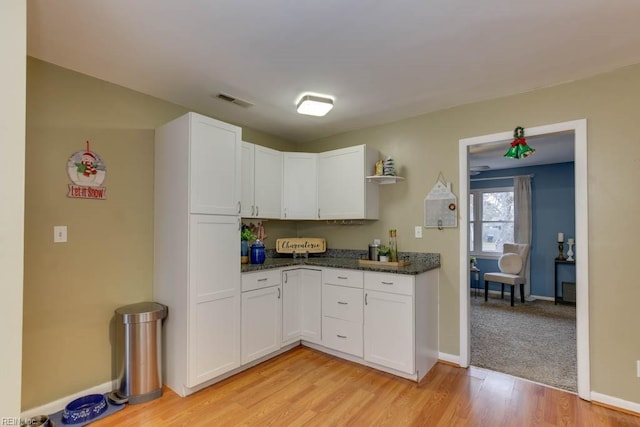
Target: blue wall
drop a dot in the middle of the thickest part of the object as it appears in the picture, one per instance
(553, 211)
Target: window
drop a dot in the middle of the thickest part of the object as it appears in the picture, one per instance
(490, 220)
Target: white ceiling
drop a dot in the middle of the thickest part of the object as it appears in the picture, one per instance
(549, 149)
(382, 60)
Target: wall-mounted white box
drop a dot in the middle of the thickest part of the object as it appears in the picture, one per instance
(59, 233)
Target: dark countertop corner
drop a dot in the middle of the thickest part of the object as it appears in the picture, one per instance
(420, 262)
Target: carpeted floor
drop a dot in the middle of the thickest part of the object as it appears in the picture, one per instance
(535, 340)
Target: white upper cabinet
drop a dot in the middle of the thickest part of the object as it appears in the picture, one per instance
(261, 182)
(299, 196)
(343, 191)
(215, 166)
(268, 182)
(247, 199)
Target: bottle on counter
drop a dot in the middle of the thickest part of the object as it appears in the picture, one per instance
(393, 256)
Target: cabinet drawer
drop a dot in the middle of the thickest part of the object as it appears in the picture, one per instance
(260, 279)
(336, 276)
(342, 302)
(385, 282)
(342, 335)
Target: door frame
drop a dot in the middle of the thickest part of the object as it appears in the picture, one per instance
(579, 128)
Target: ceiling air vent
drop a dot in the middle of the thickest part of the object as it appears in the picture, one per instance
(234, 100)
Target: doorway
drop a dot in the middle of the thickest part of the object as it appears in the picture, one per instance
(579, 129)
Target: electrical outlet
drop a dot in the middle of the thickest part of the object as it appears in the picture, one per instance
(59, 233)
(418, 232)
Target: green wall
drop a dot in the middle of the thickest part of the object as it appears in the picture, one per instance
(426, 145)
(71, 289)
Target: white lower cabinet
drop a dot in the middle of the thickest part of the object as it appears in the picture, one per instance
(383, 320)
(388, 330)
(401, 321)
(342, 311)
(301, 305)
(261, 321)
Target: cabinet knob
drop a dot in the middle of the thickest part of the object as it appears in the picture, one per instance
(257, 210)
(239, 207)
(252, 209)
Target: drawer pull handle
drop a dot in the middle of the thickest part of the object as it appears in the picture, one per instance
(343, 277)
(387, 283)
(278, 293)
(365, 299)
(262, 280)
(342, 302)
(341, 336)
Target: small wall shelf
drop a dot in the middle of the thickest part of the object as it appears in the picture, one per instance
(384, 179)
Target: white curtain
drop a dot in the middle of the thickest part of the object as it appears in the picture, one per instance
(522, 221)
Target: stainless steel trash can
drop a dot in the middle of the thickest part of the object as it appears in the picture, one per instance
(139, 352)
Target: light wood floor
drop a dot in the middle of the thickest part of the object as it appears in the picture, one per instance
(307, 387)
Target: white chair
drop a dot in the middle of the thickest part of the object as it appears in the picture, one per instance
(512, 265)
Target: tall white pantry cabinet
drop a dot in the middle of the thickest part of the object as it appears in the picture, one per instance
(196, 246)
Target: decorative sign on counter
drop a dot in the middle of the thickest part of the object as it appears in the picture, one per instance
(87, 171)
(300, 245)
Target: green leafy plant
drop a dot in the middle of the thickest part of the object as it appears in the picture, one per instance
(473, 260)
(247, 234)
(384, 250)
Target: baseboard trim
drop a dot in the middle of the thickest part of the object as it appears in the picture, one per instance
(615, 403)
(451, 359)
(57, 405)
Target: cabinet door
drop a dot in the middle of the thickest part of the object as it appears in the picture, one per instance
(215, 166)
(214, 297)
(291, 306)
(247, 186)
(261, 318)
(389, 330)
(342, 169)
(299, 186)
(268, 183)
(311, 303)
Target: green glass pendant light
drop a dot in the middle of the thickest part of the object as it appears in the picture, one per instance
(519, 148)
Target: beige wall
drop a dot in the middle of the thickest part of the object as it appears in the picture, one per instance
(13, 48)
(426, 145)
(71, 289)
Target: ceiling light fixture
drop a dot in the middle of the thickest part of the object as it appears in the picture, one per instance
(519, 148)
(314, 105)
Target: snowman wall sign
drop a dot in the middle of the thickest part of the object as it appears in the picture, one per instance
(87, 171)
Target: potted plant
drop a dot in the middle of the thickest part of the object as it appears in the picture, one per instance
(473, 261)
(245, 235)
(384, 252)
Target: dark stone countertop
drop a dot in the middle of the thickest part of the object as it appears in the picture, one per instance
(420, 262)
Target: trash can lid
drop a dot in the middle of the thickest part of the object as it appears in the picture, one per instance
(142, 312)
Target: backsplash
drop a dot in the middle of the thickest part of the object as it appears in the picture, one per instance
(362, 254)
